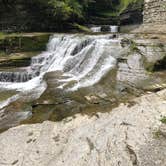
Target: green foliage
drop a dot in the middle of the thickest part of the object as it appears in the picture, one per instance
(1, 35)
(163, 120)
(81, 28)
(157, 134)
(64, 10)
(56, 14)
(123, 5)
(132, 45)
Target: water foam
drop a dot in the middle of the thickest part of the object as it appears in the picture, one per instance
(84, 59)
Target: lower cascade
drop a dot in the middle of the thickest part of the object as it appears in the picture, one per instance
(83, 60)
(14, 76)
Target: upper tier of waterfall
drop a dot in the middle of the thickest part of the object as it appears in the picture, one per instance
(105, 28)
(96, 29)
(84, 59)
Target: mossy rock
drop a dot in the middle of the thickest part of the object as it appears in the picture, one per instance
(21, 59)
(25, 42)
(36, 43)
(163, 120)
(159, 65)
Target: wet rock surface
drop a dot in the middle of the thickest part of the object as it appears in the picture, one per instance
(21, 59)
(131, 77)
(126, 136)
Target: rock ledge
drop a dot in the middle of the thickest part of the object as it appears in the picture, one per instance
(124, 137)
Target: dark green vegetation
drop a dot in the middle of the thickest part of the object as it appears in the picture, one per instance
(60, 15)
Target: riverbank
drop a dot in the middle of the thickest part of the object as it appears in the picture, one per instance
(133, 135)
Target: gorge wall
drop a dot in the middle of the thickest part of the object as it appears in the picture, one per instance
(155, 11)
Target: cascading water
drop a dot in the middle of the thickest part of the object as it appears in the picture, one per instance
(114, 29)
(75, 61)
(14, 76)
(96, 29)
(105, 28)
(83, 59)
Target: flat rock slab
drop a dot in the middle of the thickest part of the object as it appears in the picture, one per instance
(131, 135)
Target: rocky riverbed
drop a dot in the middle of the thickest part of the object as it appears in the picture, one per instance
(130, 135)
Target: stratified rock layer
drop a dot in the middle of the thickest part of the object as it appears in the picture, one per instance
(155, 11)
(124, 137)
(154, 17)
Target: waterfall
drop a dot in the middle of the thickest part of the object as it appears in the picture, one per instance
(105, 28)
(96, 29)
(84, 59)
(14, 76)
(114, 29)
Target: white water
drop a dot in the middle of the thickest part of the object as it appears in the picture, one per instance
(114, 28)
(85, 59)
(96, 29)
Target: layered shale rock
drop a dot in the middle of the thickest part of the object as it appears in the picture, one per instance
(154, 17)
(140, 58)
(155, 11)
